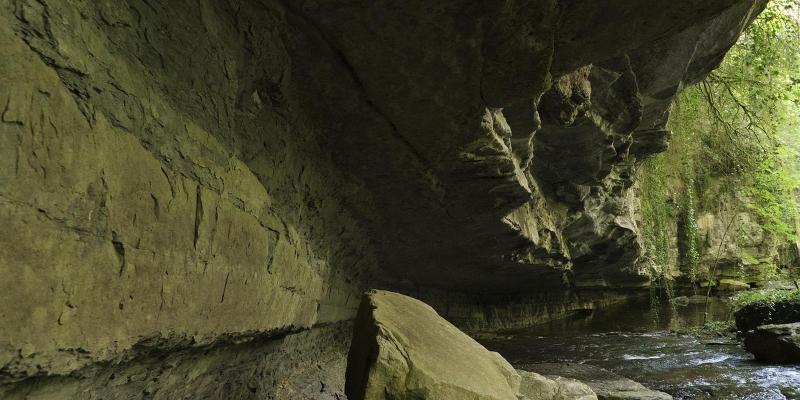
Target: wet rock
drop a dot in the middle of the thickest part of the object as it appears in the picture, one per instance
(761, 313)
(791, 393)
(538, 387)
(778, 343)
(402, 349)
(607, 385)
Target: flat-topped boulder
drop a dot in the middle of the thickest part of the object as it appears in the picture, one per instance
(779, 343)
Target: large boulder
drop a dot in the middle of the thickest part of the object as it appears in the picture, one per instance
(775, 343)
(402, 349)
(764, 313)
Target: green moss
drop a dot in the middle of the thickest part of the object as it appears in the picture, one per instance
(735, 148)
(717, 327)
(766, 296)
(768, 271)
(688, 234)
(748, 258)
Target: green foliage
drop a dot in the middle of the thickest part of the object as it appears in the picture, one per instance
(754, 102)
(766, 296)
(771, 191)
(717, 328)
(754, 99)
(656, 210)
(735, 135)
(689, 235)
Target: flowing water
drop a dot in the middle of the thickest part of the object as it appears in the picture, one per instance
(661, 348)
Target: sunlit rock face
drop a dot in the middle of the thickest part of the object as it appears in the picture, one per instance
(402, 349)
(181, 176)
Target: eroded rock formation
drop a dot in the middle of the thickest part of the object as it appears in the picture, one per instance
(195, 179)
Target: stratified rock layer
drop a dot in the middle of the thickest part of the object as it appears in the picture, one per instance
(154, 197)
(736, 248)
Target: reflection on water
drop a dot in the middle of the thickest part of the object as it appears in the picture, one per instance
(655, 348)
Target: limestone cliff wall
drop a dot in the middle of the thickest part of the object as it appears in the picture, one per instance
(162, 189)
(194, 193)
(735, 244)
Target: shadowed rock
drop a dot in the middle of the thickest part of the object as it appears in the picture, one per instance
(775, 343)
(763, 313)
(179, 173)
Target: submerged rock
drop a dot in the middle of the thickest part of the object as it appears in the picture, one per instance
(402, 349)
(775, 343)
(606, 385)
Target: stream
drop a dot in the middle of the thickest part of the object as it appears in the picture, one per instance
(660, 348)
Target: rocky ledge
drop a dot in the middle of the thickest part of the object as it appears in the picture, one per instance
(779, 343)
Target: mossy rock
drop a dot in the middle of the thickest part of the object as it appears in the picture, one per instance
(762, 313)
(732, 285)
